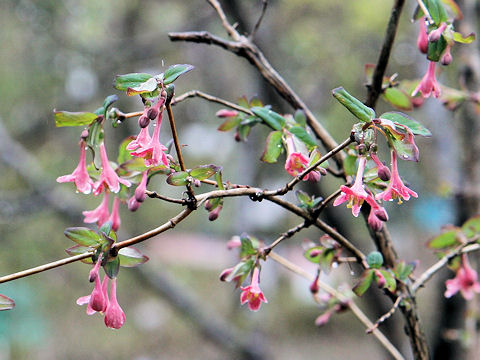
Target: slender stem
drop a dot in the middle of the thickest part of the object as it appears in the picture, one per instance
(211, 98)
(177, 146)
(259, 21)
(285, 235)
(221, 14)
(133, 114)
(425, 11)
(355, 309)
(155, 195)
(45, 267)
(386, 315)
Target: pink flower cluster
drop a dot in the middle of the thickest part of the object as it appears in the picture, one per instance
(99, 301)
(298, 160)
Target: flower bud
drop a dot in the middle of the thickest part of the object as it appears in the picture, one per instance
(152, 113)
(314, 253)
(380, 279)
(226, 113)
(381, 213)
(143, 121)
(225, 273)
(237, 137)
(437, 33)
(84, 134)
(383, 173)
(213, 215)
(323, 319)
(133, 204)
(422, 40)
(446, 58)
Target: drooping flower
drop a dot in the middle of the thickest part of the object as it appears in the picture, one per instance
(142, 139)
(100, 214)
(396, 189)
(377, 214)
(356, 194)
(428, 84)
(115, 215)
(98, 301)
(140, 190)
(80, 175)
(422, 39)
(446, 58)
(252, 293)
(437, 33)
(114, 315)
(153, 151)
(465, 281)
(297, 160)
(108, 176)
(86, 299)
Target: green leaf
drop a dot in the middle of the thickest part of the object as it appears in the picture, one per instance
(273, 147)
(180, 178)
(471, 227)
(436, 49)
(230, 123)
(390, 282)
(401, 139)
(302, 135)
(403, 119)
(241, 270)
(83, 236)
(437, 11)
(355, 106)
(300, 118)
(145, 87)
(243, 131)
(112, 267)
(131, 257)
(109, 100)
(246, 248)
(398, 98)
(79, 249)
(452, 5)
(95, 135)
(375, 260)
(174, 71)
(66, 118)
(303, 198)
(350, 165)
(6, 303)
(204, 171)
(270, 117)
(218, 179)
(123, 82)
(364, 282)
(106, 228)
(403, 270)
(445, 240)
(123, 153)
(463, 39)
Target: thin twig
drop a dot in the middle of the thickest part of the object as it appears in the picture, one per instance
(342, 298)
(221, 14)
(155, 195)
(425, 11)
(386, 315)
(211, 98)
(259, 21)
(285, 235)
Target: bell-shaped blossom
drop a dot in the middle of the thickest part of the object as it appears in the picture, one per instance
(356, 194)
(142, 139)
(108, 176)
(395, 188)
(465, 281)
(98, 299)
(114, 315)
(115, 215)
(428, 84)
(140, 190)
(422, 39)
(100, 214)
(153, 151)
(80, 175)
(252, 293)
(377, 214)
(297, 160)
(446, 58)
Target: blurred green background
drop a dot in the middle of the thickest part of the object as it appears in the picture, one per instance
(64, 55)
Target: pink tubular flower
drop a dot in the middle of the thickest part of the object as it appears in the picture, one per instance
(80, 175)
(428, 84)
(226, 113)
(446, 58)
(465, 281)
(153, 151)
(140, 190)
(252, 293)
(114, 315)
(86, 299)
(142, 139)
(115, 216)
(396, 189)
(108, 176)
(356, 194)
(297, 162)
(377, 215)
(422, 40)
(100, 214)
